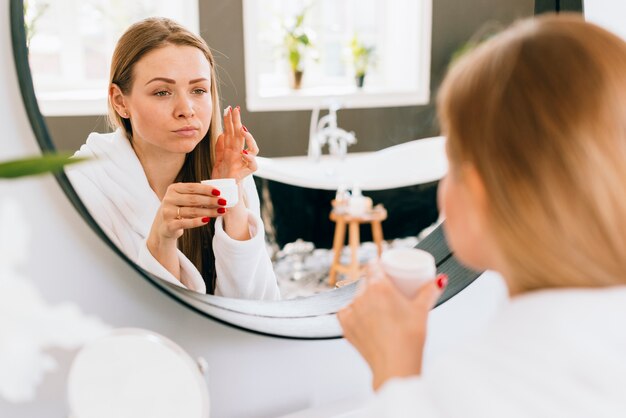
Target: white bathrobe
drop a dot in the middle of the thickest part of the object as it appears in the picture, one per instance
(114, 187)
(549, 354)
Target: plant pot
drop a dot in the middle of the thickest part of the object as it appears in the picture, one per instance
(295, 79)
(360, 78)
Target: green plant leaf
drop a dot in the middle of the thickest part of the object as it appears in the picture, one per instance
(36, 165)
(362, 55)
(300, 19)
(304, 39)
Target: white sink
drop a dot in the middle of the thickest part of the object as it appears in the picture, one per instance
(415, 162)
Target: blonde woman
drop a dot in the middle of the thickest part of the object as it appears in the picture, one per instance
(536, 125)
(144, 189)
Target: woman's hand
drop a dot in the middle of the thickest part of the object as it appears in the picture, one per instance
(387, 328)
(231, 160)
(184, 206)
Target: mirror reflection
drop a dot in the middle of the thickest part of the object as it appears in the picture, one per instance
(322, 119)
(144, 186)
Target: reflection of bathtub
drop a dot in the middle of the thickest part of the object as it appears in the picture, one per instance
(402, 177)
(415, 162)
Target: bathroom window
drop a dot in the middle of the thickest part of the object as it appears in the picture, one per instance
(330, 43)
(71, 43)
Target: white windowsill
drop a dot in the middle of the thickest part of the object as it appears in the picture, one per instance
(307, 99)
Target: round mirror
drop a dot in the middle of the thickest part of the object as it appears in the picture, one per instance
(293, 213)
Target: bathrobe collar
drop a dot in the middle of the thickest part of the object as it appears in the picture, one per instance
(120, 176)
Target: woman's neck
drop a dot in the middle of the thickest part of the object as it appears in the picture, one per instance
(161, 167)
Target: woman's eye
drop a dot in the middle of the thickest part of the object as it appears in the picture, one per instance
(199, 91)
(161, 93)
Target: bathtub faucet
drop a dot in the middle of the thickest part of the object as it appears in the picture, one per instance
(326, 132)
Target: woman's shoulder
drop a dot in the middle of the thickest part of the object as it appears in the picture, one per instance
(103, 144)
(546, 345)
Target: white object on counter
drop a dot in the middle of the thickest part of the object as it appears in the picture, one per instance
(136, 373)
(358, 204)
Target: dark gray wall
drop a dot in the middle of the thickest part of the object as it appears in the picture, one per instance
(543, 6)
(286, 133)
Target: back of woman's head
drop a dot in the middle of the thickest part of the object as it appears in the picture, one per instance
(540, 112)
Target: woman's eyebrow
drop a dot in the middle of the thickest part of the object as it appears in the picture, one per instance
(167, 80)
(170, 81)
(197, 80)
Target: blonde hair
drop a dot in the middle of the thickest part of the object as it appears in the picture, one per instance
(540, 112)
(139, 39)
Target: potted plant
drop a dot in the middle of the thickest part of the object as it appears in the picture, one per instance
(297, 41)
(362, 58)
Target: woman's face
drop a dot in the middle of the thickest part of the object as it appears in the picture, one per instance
(170, 103)
(462, 203)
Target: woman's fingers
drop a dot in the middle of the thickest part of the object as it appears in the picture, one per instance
(193, 188)
(233, 129)
(194, 195)
(373, 273)
(233, 139)
(179, 224)
(250, 163)
(429, 293)
(219, 149)
(238, 131)
(186, 212)
(253, 149)
(192, 200)
(228, 124)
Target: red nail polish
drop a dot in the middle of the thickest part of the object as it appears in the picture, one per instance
(244, 128)
(442, 281)
(237, 108)
(221, 202)
(215, 192)
(245, 152)
(206, 219)
(221, 210)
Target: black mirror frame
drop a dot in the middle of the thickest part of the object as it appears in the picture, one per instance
(318, 309)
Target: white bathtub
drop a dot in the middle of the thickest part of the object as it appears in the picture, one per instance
(411, 163)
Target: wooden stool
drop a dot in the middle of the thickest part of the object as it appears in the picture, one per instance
(353, 270)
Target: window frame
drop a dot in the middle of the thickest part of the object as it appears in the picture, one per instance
(88, 99)
(283, 99)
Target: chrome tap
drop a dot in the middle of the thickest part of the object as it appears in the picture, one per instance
(326, 132)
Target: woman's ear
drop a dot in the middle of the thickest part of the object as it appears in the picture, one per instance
(116, 97)
(476, 188)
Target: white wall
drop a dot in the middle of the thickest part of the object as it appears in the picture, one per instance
(250, 375)
(610, 14)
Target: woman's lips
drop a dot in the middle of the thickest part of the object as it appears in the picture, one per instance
(186, 132)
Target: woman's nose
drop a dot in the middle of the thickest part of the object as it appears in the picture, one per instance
(184, 108)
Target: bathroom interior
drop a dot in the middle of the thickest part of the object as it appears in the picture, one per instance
(336, 145)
